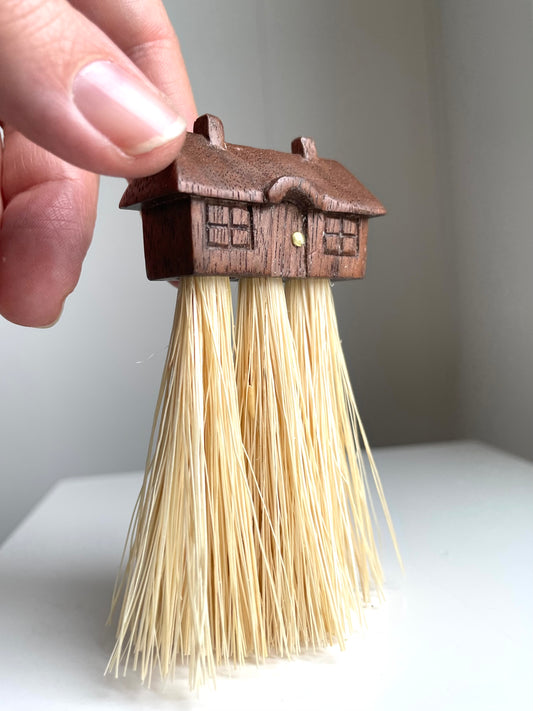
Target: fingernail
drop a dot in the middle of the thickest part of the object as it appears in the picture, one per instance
(124, 109)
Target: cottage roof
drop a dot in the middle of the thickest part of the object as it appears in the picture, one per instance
(209, 167)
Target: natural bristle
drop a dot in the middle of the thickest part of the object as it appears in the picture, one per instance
(252, 534)
(190, 586)
(296, 534)
(339, 439)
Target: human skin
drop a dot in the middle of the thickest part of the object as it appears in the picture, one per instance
(87, 87)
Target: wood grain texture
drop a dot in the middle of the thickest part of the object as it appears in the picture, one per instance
(229, 210)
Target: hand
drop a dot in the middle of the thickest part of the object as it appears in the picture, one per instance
(78, 98)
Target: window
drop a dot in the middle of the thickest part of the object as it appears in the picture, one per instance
(341, 236)
(228, 226)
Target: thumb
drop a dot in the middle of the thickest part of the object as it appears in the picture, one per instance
(67, 87)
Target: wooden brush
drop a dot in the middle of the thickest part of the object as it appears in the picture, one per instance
(253, 530)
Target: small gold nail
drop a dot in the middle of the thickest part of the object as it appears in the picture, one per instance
(298, 239)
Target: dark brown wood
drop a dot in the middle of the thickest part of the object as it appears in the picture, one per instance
(304, 147)
(238, 211)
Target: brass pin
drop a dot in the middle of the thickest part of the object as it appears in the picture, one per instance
(298, 239)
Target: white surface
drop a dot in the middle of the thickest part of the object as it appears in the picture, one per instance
(456, 630)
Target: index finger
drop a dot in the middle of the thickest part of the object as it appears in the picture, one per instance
(142, 30)
(46, 227)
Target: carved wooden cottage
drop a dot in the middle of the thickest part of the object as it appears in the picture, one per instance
(238, 211)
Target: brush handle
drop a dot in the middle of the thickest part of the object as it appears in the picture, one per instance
(228, 210)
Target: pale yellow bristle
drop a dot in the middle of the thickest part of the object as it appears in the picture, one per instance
(296, 534)
(339, 438)
(190, 587)
(252, 533)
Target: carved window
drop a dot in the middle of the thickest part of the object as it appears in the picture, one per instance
(341, 236)
(229, 226)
